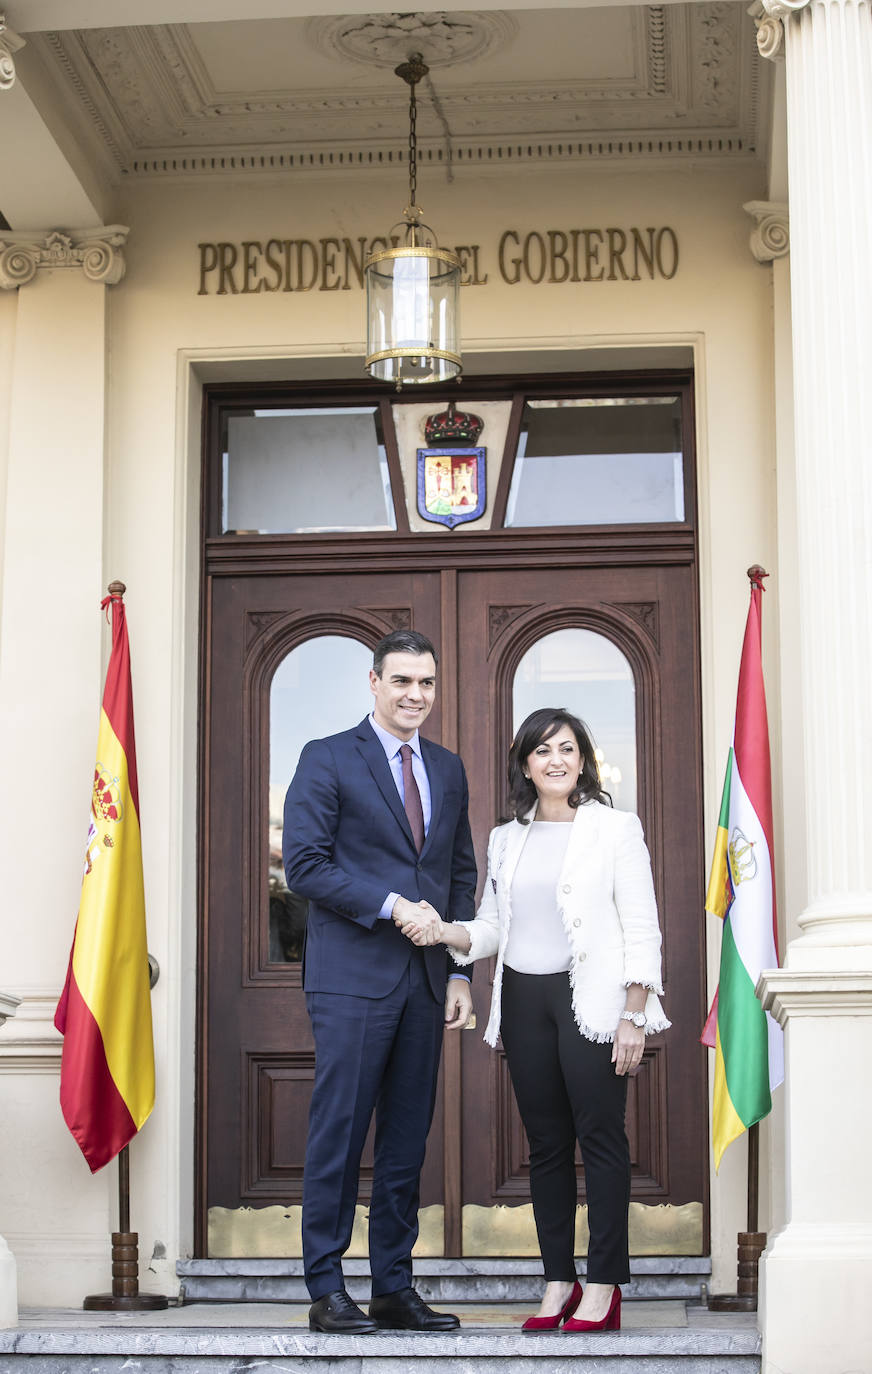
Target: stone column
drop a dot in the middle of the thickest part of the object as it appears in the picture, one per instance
(52, 583)
(817, 1271)
(52, 547)
(8, 1270)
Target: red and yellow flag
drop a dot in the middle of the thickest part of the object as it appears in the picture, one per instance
(104, 1014)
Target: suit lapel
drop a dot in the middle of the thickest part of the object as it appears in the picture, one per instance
(515, 841)
(371, 749)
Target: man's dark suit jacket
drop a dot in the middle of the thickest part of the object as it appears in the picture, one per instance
(347, 844)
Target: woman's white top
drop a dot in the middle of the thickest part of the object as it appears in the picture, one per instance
(605, 896)
(537, 942)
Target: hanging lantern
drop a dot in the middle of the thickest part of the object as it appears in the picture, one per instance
(412, 291)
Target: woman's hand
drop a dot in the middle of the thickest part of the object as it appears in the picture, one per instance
(627, 1048)
(420, 923)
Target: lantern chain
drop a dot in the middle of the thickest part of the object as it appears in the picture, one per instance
(412, 72)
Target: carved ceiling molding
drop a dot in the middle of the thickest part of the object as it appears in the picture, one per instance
(444, 39)
(10, 42)
(152, 107)
(466, 157)
(96, 251)
(771, 238)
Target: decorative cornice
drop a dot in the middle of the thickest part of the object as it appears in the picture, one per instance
(155, 106)
(8, 1005)
(32, 1044)
(10, 42)
(96, 251)
(771, 238)
(789, 993)
(770, 17)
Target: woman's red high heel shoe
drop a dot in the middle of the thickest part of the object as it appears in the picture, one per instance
(552, 1323)
(610, 1322)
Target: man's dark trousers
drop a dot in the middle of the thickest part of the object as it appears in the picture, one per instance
(371, 1055)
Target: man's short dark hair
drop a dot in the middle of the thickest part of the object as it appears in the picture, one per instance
(401, 642)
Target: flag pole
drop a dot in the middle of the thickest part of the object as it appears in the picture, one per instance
(125, 1295)
(750, 1244)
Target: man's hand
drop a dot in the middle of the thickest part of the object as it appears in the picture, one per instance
(458, 1003)
(419, 921)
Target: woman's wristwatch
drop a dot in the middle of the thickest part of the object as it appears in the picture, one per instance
(638, 1018)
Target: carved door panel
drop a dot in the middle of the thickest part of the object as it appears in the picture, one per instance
(287, 660)
(619, 646)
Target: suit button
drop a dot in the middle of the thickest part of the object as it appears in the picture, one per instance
(576, 922)
(567, 887)
(419, 867)
(581, 958)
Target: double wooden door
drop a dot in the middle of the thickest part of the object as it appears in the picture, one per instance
(517, 624)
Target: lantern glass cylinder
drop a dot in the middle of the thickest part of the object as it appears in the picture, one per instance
(412, 304)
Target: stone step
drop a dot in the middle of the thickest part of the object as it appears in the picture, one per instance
(657, 1338)
(437, 1280)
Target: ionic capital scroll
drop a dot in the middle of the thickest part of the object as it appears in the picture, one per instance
(96, 251)
(770, 17)
(10, 42)
(771, 238)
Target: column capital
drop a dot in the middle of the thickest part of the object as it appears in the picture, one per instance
(771, 238)
(10, 42)
(769, 17)
(96, 251)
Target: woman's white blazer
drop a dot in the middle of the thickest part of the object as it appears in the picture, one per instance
(605, 895)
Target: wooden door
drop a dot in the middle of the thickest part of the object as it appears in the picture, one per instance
(485, 614)
(646, 616)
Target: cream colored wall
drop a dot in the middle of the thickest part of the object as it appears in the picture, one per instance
(163, 337)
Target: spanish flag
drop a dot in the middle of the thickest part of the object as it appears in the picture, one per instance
(104, 1014)
(748, 1043)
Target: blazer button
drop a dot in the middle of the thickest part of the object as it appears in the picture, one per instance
(419, 867)
(567, 887)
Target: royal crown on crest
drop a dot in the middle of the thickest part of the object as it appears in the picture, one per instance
(453, 426)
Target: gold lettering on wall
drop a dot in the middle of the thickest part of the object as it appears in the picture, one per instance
(534, 258)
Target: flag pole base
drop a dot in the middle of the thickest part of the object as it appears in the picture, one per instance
(751, 1245)
(732, 1302)
(125, 1295)
(138, 1302)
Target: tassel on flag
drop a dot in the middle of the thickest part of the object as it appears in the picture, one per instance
(748, 1043)
(104, 1014)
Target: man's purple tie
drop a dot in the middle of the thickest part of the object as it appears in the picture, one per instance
(412, 798)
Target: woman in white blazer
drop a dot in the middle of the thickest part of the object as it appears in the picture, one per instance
(569, 910)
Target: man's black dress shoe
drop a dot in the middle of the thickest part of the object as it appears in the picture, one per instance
(336, 1314)
(406, 1310)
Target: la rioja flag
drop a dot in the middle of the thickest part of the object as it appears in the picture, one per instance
(104, 1014)
(748, 1043)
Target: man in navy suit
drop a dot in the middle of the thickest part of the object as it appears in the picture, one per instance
(376, 828)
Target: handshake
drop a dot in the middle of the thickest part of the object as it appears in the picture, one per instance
(419, 921)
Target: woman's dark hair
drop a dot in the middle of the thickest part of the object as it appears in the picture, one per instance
(539, 726)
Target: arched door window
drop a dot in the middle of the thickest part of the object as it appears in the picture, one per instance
(317, 690)
(588, 675)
